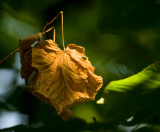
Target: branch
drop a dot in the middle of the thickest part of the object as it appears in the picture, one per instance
(12, 53)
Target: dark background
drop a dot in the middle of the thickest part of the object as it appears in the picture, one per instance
(120, 37)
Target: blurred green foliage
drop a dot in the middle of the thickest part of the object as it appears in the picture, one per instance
(136, 97)
(120, 37)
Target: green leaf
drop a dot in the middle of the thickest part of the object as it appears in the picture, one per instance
(136, 99)
(148, 129)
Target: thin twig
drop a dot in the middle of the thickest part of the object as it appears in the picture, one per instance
(47, 30)
(43, 32)
(48, 23)
(12, 53)
(62, 29)
(54, 32)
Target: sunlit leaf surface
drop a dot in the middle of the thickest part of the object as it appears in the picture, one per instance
(135, 99)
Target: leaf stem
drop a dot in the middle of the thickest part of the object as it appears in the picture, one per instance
(12, 53)
(48, 23)
(62, 29)
(54, 32)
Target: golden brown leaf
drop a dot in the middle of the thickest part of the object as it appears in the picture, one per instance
(25, 54)
(64, 77)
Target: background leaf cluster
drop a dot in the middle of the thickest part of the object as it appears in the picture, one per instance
(121, 39)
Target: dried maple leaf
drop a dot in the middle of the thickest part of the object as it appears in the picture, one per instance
(64, 78)
(26, 54)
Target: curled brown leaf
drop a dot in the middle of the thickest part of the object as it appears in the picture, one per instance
(25, 54)
(64, 78)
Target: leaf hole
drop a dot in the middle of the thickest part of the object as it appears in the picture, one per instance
(84, 58)
(31, 77)
(34, 43)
